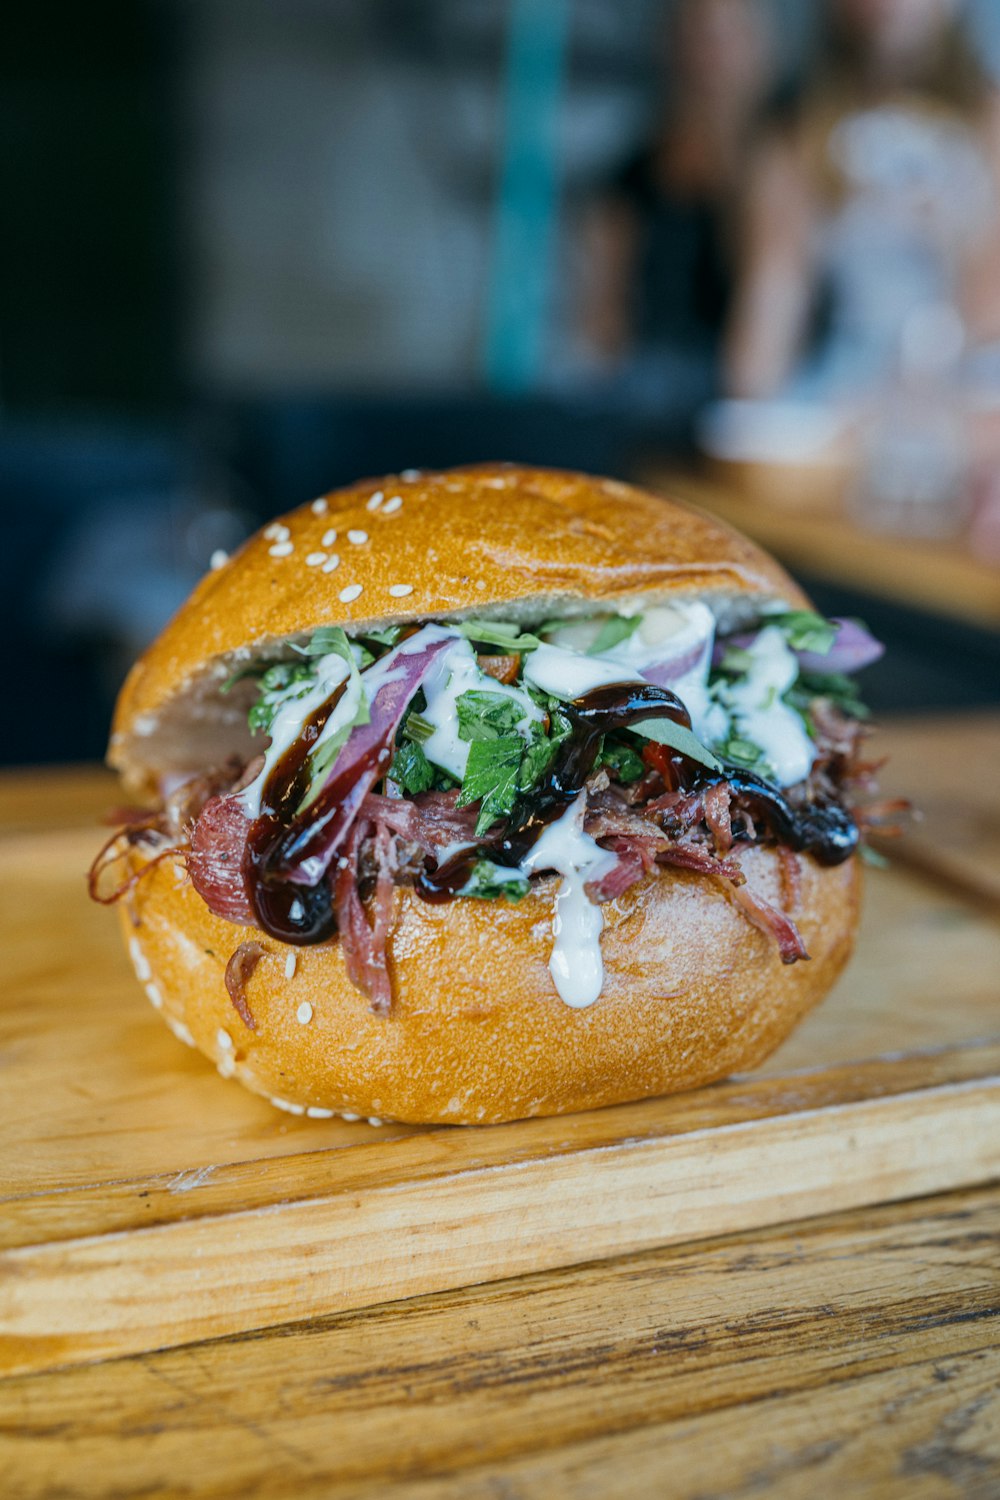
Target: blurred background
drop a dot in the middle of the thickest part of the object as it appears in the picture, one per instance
(747, 251)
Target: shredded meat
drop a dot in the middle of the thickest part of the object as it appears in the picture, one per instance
(215, 859)
(390, 840)
(364, 942)
(238, 972)
(770, 921)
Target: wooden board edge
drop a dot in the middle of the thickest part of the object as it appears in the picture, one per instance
(118, 1294)
(207, 1189)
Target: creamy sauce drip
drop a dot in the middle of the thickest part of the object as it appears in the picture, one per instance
(576, 964)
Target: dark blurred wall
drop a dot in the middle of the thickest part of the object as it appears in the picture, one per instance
(87, 255)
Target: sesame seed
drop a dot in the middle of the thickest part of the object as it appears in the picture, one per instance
(329, 537)
(224, 1040)
(155, 997)
(276, 532)
(218, 559)
(353, 591)
(332, 563)
(139, 961)
(357, 537)
(290, 963)
(319, 506)
(287, 1106)
(304, 1014)
(410, 475)
(375, 501)
(374, 1120)
(316, 1113)
(400, 590)
(392, 505)
(315, 559)
(345, 1114)
(281, 549)
(180, 1031)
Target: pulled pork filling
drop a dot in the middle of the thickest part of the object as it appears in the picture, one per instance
(467, 760)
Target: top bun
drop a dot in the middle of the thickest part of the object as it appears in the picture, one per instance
(494, 539)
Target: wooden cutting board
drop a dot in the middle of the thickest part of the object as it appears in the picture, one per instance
(147, 1202)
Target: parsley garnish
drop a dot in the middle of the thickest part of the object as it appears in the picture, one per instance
(804, 630)
(502, 633)
(411, 769)
(483, 715)
(622, 760)
(488, 881)
(492, 775)
(616, 628)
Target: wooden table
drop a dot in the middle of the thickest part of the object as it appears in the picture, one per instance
(824, 543)
(855, 1352)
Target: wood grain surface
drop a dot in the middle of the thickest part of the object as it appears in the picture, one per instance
(948, 769)
(857, 1354)
(940, 576)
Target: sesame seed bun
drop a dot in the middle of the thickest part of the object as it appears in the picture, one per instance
(692, 992)
(477, 1031)
(517, 544)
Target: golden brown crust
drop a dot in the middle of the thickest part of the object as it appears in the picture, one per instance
(477, 1033)
(473, 540)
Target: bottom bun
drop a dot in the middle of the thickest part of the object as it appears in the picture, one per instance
(477, 1032)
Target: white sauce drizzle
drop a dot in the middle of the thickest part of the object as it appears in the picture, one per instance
(286, 725)
(755, 702)
(455, 672)
(567, 674)
(576, 965)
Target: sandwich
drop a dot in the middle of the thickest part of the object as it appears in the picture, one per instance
(475, 795)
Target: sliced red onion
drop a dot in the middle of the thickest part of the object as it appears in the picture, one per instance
(666, 673)
(308, 849)
(853, 648)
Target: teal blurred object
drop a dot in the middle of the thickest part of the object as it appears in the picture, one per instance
(528, 201)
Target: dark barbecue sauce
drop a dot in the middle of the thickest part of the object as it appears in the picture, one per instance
(281, 838)
(296, 914)
(596, 714)
(825, 830)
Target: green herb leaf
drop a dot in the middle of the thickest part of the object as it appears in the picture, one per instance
(411, 769)
(742, 752)
(622, 760)
(488, 881)
(332, 640)
(616, 628)
(483, 715)
(666, 732)
(736, 661)
(281, 682)
(537, 758)
(804, 630)
(501, 633)
(417, 728)
(387, 637)
(492, 774)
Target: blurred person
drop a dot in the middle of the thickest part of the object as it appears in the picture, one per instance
(871, 210)
(657, 245)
